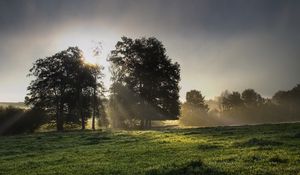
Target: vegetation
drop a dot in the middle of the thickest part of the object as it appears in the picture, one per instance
(17, 120)
(235, 108)
(194, 110)
(145, 87)
(66, 88)
(145, 83)
(139, 126)
(243, 150)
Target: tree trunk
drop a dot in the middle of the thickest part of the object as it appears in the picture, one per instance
(146, 124)
(142, 124)
(149, 124)
(58, 125)
(94, 107)
(93, 122)
(80, 109)
(59, 118)
(82, 121)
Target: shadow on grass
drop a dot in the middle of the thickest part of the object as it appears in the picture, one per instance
(258, 142)
(208, 147)
(92, 140)
(297, 135)
(188, 168)
(278, 159)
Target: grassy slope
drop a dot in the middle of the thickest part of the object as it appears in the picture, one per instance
(263, 149)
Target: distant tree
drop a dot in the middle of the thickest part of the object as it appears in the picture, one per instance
(232, 100)
(221, 100)
(252, 98)
(291, 96)
(194, 98)
(142, 69)
(194, 110)
(281, 97)
(289, 102)
(64, 86)
(295, 94)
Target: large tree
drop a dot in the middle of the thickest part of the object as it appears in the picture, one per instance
(64, 85)
(142, 70)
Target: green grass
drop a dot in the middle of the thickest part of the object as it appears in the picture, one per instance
(262, 149)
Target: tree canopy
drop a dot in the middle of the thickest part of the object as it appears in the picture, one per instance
(232, 100)
(196, 99)
(194, 110)
(145, 80)
(65, 87)
(252, 98)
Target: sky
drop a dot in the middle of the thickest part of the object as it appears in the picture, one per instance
(220, 44)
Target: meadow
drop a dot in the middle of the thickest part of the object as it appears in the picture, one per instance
(262, 149)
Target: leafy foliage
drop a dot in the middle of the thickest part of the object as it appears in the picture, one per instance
(17, 120)
(194, 110)
(195, 98)
(65, 87)
(145, 81)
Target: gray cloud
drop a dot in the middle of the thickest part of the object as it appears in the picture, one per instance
(219, 44)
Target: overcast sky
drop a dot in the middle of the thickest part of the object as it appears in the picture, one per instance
(220, 44)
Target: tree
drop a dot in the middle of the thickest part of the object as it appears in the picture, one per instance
(232, 100)
(222, 101)
(63, 86)
(194, 110)
(194, 98)
(288, 97)
(142, 69)
(288, 101)
(252, 98)
(281, 97)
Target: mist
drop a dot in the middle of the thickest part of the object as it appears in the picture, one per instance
(235, 108)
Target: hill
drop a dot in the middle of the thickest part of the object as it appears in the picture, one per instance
(262, 149)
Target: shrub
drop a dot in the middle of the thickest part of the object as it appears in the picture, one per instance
(16, 120)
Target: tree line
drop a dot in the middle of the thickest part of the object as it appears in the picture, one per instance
(66, 91)
(70, 91)
(235, 108)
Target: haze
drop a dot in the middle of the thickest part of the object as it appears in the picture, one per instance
(219, 44)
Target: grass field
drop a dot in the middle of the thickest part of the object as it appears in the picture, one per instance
(262, 149)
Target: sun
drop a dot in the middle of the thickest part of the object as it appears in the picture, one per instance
(88, 56)
(89, 59)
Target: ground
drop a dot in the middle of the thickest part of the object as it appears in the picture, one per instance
(261, 149)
